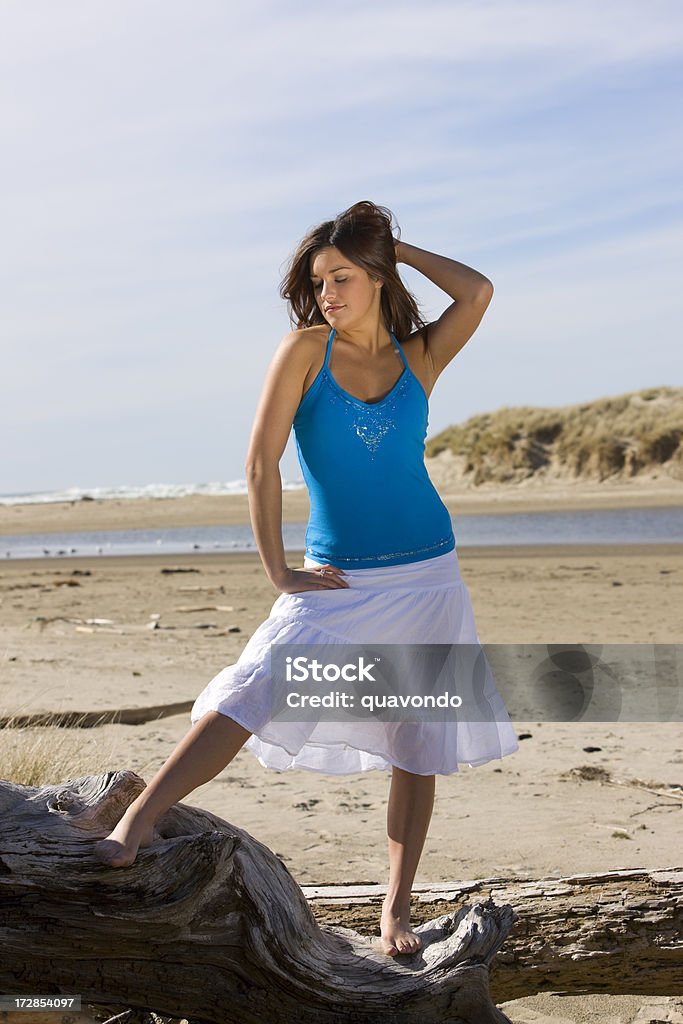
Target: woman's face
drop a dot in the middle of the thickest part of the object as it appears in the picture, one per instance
(344, 291)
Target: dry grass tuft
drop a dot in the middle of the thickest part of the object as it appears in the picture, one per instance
(621, 437)
(49, 755)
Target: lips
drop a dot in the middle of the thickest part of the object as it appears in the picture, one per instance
(333, 309)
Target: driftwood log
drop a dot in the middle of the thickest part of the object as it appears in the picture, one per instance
(208, 924)
(615, 933)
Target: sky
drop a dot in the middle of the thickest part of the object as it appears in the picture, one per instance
(161, 160)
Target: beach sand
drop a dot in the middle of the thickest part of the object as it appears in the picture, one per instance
(533, 813)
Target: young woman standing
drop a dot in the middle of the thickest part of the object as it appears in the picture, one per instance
(380, 563)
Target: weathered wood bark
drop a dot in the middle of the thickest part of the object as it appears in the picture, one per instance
(617, 933)
(208, 924)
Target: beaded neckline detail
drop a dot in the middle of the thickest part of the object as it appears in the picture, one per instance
(370, 422)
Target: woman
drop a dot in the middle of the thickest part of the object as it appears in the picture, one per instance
(378, 536)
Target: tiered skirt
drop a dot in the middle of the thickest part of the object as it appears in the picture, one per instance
(423, 602)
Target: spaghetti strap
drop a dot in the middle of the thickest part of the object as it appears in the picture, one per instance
(329, 348)
(405, 363)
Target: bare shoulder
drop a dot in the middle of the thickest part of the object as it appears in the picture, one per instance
(294, 353)
(313, 335)
(419, 359)
(310, 344)
(281, 394)
(303, 341)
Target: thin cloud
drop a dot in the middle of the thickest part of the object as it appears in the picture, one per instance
(160, 165)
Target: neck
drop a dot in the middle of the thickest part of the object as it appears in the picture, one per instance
(372, 340)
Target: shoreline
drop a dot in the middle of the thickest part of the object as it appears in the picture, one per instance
(252, 559)
(233, 509)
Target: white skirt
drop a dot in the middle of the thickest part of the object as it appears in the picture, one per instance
(423, 602)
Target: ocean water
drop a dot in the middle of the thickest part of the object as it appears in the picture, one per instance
(618, 526)
(238, 486)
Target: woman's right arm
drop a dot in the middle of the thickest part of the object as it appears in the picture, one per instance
(280, 398)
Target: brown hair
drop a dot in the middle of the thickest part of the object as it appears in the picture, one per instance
(364, 235)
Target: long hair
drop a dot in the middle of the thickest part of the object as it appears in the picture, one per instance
(364, 235)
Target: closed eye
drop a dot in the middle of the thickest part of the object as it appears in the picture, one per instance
(337, 280)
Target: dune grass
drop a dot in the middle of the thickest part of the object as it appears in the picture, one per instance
(619, 436)
(50, 755)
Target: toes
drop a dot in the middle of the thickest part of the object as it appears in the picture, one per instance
(405, 943)
(409, 944)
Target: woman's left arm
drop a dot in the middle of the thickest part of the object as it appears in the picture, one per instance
(469, 289)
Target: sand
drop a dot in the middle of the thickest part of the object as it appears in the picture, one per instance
(533, 813)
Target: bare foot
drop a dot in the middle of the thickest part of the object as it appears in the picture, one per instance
(396, 935)
(120, 847)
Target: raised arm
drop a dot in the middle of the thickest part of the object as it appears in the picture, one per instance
(471, 291)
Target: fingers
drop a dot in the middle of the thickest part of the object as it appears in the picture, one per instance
(332, 577)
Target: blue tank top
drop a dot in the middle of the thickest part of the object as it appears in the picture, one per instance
(372, 502)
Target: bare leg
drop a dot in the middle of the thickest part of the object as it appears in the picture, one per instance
(409, 811)
(202, 753)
